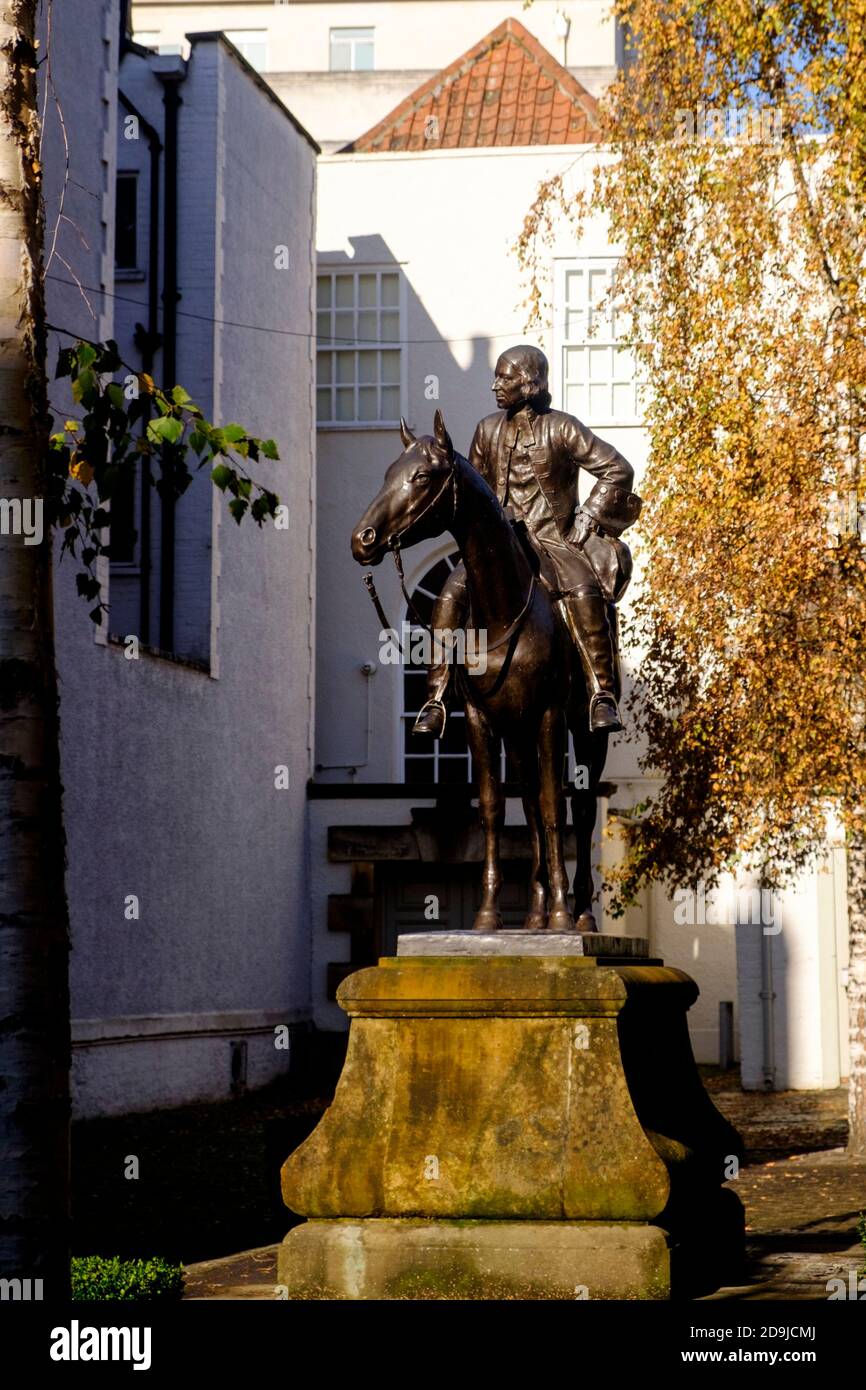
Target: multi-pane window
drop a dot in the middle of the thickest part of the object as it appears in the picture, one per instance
(598, 377)
(126, 222)
(358, 360)
(252, 44)
(351, 50)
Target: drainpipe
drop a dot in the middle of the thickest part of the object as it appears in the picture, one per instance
(561, 26)
(768, 1012)
(368, 670)
(148, 341)
(170, 296)
(125, 19)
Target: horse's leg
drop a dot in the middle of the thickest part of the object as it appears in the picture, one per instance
(484, 747)
(551, 752)
(590, 754)
(525, 755)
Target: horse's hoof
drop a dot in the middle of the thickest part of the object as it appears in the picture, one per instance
(487, 920)
(535, 921)
(560, 920)
(586, 922)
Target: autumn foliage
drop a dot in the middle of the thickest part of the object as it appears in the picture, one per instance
(736, 196)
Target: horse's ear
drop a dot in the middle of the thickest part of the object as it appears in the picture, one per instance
(406, 434)
(443, 438)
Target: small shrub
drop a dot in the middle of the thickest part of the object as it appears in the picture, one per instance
(104, 1277)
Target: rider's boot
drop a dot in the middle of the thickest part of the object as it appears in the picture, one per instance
(586, 617)
(434, 712)
(449, 615)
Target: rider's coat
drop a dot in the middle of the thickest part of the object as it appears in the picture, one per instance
(532, 462)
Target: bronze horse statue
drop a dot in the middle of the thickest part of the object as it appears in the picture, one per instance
(531, 685)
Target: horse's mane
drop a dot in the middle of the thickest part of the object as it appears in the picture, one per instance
(516, 536)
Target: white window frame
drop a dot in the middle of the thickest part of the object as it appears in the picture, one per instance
(363, 345)
(604, 343)
(352, 35)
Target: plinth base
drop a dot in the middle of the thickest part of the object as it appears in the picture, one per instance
(405, 1259)
(513, 1127)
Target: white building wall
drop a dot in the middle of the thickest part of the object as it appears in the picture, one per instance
(790, 983)
(409, 34)
(413, 40)
(169, 772)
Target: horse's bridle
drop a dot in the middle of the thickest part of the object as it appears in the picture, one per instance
(394, 543)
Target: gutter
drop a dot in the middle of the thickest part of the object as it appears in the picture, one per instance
(148, 341)
(170, 296)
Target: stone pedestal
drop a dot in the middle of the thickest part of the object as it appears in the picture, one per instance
(525, 1126)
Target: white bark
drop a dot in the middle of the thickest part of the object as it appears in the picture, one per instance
(34, 1010)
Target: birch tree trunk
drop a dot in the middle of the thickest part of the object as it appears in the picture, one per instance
(34, 1007)
(856, 855)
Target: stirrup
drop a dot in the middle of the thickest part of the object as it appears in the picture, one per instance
(604, 716)
(431, 719)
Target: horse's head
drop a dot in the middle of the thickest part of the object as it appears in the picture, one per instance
(416, 500)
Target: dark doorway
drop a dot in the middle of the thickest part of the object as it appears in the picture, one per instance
(404, 891)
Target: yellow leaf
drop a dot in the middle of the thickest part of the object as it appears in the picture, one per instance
(81, 471)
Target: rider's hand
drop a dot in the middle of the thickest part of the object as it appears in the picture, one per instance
(580, 530)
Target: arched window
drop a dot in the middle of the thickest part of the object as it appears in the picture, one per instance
(446, 759)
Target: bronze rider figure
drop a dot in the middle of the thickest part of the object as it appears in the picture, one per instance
(531, 456)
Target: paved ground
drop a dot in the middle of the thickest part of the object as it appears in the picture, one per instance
(802, 1198)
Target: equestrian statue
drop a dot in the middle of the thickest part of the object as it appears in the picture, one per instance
(539, 578)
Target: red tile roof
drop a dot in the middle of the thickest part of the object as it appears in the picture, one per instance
(507, 90)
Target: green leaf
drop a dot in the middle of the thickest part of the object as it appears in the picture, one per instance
(166, 430)
(237, 507)
(234, 434)
(222, 475)
(180, 396)
(83, 386)
(269, 449)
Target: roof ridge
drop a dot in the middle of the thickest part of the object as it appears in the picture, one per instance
(510, 32)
